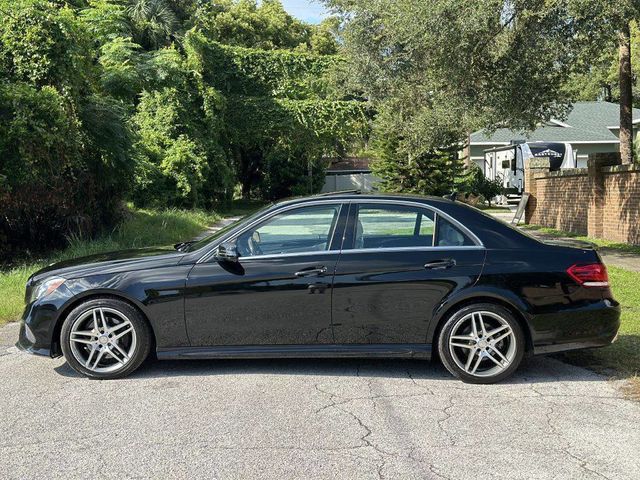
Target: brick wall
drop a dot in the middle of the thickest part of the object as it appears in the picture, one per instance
(599, 201)
(562, 196)
(621, 214)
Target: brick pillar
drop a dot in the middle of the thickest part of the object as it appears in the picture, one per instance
(595, 225)
(532, 168)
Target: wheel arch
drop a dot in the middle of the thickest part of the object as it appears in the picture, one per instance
(56, 349)
(515, 305)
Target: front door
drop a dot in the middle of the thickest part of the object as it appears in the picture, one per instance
(279, 293)
(398, 264)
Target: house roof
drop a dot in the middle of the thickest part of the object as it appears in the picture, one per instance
(587, 122)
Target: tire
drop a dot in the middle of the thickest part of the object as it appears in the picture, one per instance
(105, 353)
(480, 357)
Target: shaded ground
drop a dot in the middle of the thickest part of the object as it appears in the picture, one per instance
(311, 419)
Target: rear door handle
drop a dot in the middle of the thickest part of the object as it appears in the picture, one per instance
(440, 264)
(308, 272)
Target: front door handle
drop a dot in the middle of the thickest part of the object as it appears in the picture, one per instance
(440, 264)
(308, 272)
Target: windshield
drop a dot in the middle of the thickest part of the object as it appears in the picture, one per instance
(192, 247)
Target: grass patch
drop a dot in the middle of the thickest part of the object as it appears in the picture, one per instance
(552, 232)
(140, 228)
(622, 358)
(492, 209)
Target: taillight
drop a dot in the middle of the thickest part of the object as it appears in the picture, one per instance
(590, 275)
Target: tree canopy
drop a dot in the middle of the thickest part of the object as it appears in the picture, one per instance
(437, 71)
(164, 102)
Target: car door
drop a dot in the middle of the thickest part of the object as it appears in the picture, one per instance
(279, 291)
(399, 261)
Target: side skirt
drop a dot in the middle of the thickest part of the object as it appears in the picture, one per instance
(401, 350)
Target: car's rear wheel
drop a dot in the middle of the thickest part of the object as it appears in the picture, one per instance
(105, 338)
(481, 343)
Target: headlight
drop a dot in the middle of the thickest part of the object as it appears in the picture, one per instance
(47, 287)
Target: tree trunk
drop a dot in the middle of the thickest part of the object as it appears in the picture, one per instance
(626, 99)
(466, 152)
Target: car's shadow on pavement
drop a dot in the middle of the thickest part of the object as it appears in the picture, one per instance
(536, 369)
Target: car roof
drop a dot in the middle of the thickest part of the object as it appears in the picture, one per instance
(355, 195)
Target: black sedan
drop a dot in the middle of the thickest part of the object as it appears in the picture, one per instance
(342, 275)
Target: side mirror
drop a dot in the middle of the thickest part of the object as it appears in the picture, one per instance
(227, 252)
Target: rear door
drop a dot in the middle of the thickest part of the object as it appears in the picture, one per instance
(399, 261)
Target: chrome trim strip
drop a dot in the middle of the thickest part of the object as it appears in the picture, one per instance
(284, 255)
(409, 249)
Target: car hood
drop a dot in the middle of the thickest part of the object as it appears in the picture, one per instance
(110, 262)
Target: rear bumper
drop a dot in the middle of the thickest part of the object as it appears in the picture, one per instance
(593, 325)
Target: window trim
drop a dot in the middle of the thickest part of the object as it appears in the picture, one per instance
(437, 212)
(233, 237)
(349, 204)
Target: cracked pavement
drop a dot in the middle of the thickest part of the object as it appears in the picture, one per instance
(360, 419)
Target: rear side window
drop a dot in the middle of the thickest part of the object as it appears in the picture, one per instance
(449, 235)
(390, 226)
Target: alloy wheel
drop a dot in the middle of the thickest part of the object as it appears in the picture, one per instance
(482, 344)
(103, 340)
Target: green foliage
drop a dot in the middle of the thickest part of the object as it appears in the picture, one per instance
(406, 164)
(475, 182)
(151, 24)
(267, 134)
(282, 114)
(168, 102)
(120, 60)
(64, 149)
(42, 44)
(437, 71)
(140, 228)
(266, 26)
(254, 72)
(599, 77)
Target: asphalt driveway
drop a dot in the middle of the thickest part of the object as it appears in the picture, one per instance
(310, 419)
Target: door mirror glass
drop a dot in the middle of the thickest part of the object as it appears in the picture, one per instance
(227, 252)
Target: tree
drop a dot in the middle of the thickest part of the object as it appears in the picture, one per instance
(626, 98)
(437, 70)
(600, 23)
(265, 26)
(64, 146)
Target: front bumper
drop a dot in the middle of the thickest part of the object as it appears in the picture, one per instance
(38, 326)
(27, 342)
(593, 325)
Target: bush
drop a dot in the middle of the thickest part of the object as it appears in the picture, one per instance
(64, 148)
(476, 183)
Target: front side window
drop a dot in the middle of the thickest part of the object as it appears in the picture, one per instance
(305, 229)
(391, 226)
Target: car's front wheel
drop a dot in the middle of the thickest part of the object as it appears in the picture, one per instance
(481, 343)
(105, 338)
